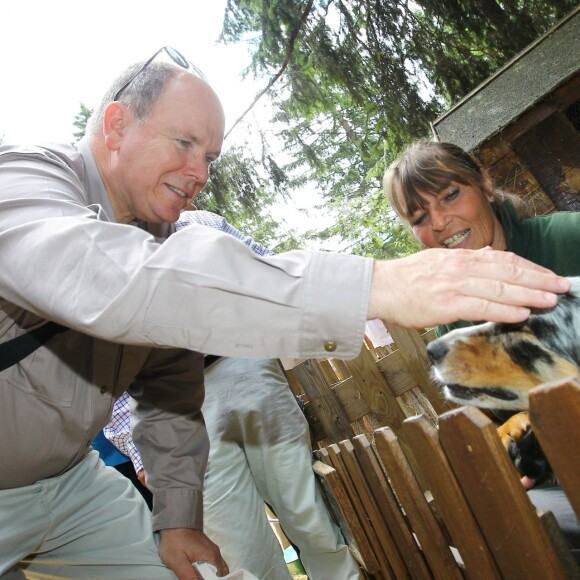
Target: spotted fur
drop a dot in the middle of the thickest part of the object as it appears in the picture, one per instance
(496, 365)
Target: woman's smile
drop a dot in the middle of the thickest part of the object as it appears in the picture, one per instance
(456, 239)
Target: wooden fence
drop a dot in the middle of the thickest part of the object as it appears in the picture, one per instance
(424, 489)
(381, 387)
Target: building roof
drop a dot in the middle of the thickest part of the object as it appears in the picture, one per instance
(535, 72)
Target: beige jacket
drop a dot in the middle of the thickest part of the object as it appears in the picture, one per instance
(124, 290)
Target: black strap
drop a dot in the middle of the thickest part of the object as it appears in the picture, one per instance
(209, 359)
(16, 349)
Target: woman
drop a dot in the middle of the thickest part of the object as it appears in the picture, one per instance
(449, 201)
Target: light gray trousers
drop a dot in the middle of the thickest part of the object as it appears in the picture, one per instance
(260, 452)
(89, 522)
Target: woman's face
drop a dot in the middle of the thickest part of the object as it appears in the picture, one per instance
(459, 216)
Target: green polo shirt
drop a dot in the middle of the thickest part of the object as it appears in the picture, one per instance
(552, 241)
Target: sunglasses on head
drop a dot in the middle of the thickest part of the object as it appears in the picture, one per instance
(175, 56)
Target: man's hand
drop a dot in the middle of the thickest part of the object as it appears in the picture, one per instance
(141, 477)
(180, 547)
(442, 286)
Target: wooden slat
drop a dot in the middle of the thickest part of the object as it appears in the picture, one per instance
(317, 432)
(353, 404)
(328, 371)
(396, 372)
(547, 149)
(493, 150)
(340, 369)
(381, 529)
(428, 335)
(429, 534)
(343, 511)
(412, 347)
(325, 404)
(390, 509)
(342, 461)
(560, 545)
(555, 416)
(331, 456)
(538, 202)
(423, 439)
(373, 388)
(350, 398)
(510, 174)
(294, 383)
(491, 485)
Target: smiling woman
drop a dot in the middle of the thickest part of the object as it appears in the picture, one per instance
(448, 200)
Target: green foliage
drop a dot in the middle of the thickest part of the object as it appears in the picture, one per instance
(80, 122)
(362, 79)
(369, 228)
(238, 191)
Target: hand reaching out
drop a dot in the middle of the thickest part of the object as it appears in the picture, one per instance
(437, 286)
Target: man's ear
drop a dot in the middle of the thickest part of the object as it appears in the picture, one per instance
(114, 124)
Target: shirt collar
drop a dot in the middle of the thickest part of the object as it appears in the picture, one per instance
(95, 188)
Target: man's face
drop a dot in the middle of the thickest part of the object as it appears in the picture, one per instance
(159, 167)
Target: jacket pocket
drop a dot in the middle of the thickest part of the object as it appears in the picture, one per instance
(46, 374)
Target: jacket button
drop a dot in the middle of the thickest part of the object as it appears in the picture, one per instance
(330, 346)
(103, 390)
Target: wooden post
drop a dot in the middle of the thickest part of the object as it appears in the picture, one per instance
(323, 401)
(555, 416)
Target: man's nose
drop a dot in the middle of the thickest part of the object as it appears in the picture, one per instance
(198, 169)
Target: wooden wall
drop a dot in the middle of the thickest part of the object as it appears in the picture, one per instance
(538, 156)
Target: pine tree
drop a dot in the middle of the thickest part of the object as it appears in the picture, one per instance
(355, 81)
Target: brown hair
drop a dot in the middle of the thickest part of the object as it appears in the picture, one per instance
(428, 167)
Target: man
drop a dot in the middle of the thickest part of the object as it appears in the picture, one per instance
(85, 240)
(260, 451)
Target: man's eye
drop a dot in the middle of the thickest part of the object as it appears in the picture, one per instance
(183, 143)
